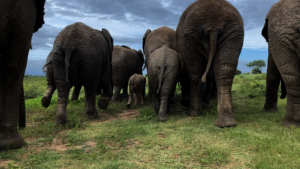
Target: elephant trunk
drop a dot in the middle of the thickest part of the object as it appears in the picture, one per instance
(213, 46)
(22, 111)
(162, 68)
(283, 89)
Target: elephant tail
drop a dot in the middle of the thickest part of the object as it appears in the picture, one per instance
(46, 65)
(67, 65)
(213, 47)
(162, 68)
(283, 89)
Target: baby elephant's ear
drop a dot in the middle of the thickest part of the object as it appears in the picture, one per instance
(108, 38)
(264, 32)
(145, 37)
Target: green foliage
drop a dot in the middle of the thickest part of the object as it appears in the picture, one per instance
(238, 72)
(257, 63)
(256, 71)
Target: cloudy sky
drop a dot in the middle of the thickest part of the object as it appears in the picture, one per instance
(127, 21)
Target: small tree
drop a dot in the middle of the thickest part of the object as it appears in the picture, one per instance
(256, 64)
(238, 72)
(256, 71)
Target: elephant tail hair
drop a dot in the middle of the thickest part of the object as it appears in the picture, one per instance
(46, 65)
(283, 89)
(160, 78)
(213, 47)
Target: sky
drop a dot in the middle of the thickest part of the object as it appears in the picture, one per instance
(127, 21)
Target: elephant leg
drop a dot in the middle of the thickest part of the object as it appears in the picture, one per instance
(207, 94)
(116, 95)
(46, 100)
(185, 90)
(137, 98)
(130, 97)
(76, 92)
(195, 101)
(273, 81)
(22, 110)
(90, 101)
(214, 91)
(288, 65)
(156, 101)
(225, 64)
(172, 96)
(12, 67)
(125, 91)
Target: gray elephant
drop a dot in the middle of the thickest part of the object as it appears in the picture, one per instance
(211, 32)
(163, 73)
(125, 63)
(81, 56)
(19, 20)
(156, 39)
(137, 83)
(281, 30)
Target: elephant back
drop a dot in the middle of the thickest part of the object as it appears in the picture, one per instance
(39, 14)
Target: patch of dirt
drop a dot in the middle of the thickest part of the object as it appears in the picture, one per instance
(125, 115)
(161, 136)
(4, 163)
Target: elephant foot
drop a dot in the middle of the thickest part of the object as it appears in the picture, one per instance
(185, 102)
(194, 113)
(128, 105)
(103, 102)
(92, 114)
(288, 121)
(162, 117)
(270, 108)
(206, 106)
(46, 101)
(225, 121)
(9, 140)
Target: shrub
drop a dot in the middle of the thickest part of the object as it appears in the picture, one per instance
(238, 72)
(253, 88)
(32, 92)
(256, 71)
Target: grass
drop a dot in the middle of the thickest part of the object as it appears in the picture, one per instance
(259, 140)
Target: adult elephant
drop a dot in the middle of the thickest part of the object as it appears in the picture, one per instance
(211, 32)
(125, 63)
(19, 19)
(281, 31)
(82, 56)
(156, 39)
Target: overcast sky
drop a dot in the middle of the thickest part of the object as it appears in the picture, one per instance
(127, 21)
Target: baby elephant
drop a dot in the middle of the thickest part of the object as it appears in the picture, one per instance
(137, 84)
(163, 71)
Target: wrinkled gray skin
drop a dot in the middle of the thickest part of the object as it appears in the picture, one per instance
(125, 63)
(137, 84)
(81, 56)
(210, 37)
(281, 31)
(156, 39)
(19, 19)
(163, 73)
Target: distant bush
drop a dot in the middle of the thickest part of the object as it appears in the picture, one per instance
(247, 73)
(253, 88)
(261, 77)
(256, 71)
(32, 92)
(238, 72)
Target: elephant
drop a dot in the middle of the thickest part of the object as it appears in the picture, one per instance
(81, 56)
(281, 31)
(125, 63)
(210, 36)
(163, 73)
(156, 39)
(19, 19)
(137, 83)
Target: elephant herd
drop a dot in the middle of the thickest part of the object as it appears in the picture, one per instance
(201, 54)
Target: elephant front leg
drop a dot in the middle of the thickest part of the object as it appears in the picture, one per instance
(116, 95)
(137, 98)
(61, 112)
(76, 92)
(125, 91)
(273, 81)
(195, 101)
(46, 100)
(130, 98)
(156, 101)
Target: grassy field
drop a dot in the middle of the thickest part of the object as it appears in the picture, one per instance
(133, 138)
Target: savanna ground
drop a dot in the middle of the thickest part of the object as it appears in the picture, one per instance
(133, 138)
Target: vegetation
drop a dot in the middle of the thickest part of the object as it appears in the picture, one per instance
(256, 66)
(256, 71)
(259, 140)
(238, 72)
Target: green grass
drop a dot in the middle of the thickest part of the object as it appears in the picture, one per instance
(259, 140)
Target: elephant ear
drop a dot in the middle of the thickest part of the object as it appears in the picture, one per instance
(265, 31)
(39, 21)
(141, 55)
(145, 37)
(108, 38)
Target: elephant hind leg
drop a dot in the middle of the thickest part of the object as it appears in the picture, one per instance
(273, 80)
(90, 101)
